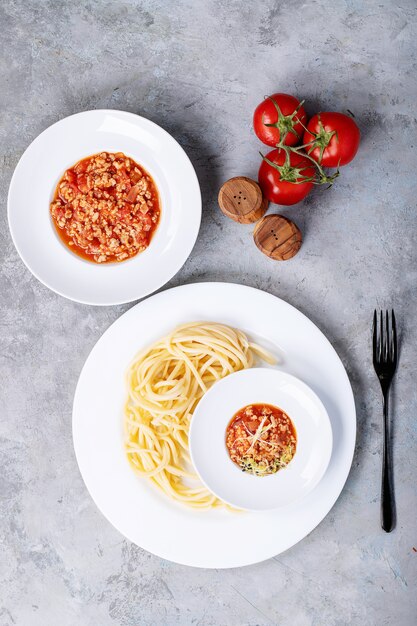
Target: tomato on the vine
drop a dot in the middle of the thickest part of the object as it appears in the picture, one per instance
(279, 117)
(286, 177)
(335, 138)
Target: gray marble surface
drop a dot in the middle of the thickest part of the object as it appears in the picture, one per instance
(198, 69)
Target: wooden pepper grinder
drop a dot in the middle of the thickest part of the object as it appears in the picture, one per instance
(277, 237)
(241, 199)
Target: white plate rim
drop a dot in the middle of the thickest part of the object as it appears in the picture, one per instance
(351, 410)
(143, 293)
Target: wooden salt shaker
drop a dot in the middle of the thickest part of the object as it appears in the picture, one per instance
(277, 237)
(241, 199)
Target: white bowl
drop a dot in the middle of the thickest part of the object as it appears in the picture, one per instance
(211, 458)
(33, 184)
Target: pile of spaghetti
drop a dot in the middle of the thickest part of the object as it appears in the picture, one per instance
(165, 383)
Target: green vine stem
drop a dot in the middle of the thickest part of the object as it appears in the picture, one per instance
(285, 123)
(293, 174)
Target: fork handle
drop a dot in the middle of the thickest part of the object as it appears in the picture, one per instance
(387, 492)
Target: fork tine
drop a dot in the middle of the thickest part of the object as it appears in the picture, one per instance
(381, 337)
(394, 337)
(387, 338)
(375, 337)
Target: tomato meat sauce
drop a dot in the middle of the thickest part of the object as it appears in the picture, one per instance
(106, 208)
(261, 439)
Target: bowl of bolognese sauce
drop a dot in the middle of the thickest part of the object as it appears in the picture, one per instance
(260, 439)
(104, 207)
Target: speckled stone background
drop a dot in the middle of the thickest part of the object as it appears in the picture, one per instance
(198, 69)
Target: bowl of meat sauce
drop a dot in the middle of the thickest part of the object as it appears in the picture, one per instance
(104, 207)
(260, 439)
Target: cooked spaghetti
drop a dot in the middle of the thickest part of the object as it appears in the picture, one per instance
(165, 383)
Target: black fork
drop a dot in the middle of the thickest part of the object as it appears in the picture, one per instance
(385, 364)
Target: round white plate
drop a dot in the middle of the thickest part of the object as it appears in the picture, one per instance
(216, 538)
(260, 385)
(32, 189)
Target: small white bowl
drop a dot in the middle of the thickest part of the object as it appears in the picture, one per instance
(208, 439)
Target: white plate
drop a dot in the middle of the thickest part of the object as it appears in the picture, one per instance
(260, 385)
(216, 538)
(33, 185)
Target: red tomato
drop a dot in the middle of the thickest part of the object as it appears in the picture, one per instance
(337, 139)
(285, 113)
(281, 182)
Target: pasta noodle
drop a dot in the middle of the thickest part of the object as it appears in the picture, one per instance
(165, 383)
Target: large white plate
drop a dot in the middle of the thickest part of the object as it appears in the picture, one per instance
(216, 538)
(33, 185)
